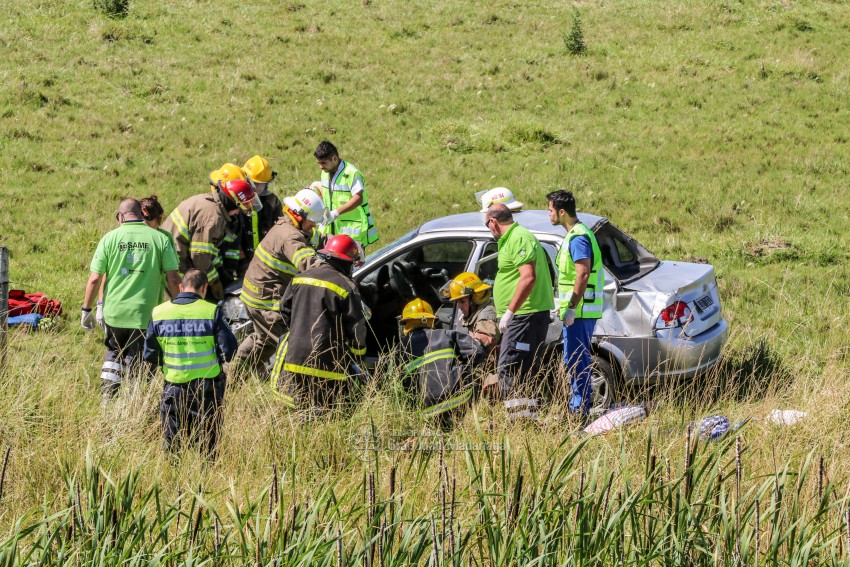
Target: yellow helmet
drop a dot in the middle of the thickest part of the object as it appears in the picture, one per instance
(417, 314)
(466, 284)
(257, 169)
(230, 172)
(215, 179)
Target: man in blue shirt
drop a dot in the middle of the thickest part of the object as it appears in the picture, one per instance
(581, 279)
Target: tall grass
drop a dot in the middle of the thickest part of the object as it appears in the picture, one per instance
(501, 507)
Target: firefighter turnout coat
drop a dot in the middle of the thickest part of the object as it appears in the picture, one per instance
(434, 367)
(200, 225)
(323, 313)
(283, 253)
(484, 322)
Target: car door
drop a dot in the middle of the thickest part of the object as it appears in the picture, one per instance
(418, 269)
(486, 264)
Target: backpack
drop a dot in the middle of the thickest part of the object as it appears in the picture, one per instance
(22, 303)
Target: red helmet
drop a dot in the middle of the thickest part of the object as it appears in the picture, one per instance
(342, 247)
(240, 191)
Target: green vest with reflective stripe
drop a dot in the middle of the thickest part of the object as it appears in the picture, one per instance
(336, 192)
(590, 306)
(185, 335)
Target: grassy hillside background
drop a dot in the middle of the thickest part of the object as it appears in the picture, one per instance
(707, 130)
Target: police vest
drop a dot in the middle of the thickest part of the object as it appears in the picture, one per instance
(336, 192)
(590, 306)
(185, 334)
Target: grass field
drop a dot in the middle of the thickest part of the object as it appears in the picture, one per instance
(715, 130)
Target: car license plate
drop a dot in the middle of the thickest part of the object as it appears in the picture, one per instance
(704, 303)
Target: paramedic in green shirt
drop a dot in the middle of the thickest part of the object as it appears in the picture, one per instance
(523, 295)
(133, 258)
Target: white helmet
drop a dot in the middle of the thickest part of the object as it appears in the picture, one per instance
(499, 195)
(307, 204)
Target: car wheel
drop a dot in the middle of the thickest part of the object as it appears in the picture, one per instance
(603, 381)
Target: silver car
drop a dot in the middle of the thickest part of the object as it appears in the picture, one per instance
(661, 318)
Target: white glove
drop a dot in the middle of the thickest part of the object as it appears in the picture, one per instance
(333, 215)
(569, 317)
(99, 315)
(87, 321)
(505, 320)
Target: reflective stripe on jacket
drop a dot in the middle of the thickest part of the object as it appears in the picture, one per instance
(185, 335)
(358, 224)
(323, 312)
(199, 226)
(590, 306)
(280, 256)
(434, 361)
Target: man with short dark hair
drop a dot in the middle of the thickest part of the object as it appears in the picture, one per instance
(523, 298)
(581, 279)
(344, 195)
(190, 340)
(133, 258)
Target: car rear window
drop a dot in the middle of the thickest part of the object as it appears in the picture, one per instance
(623, 256)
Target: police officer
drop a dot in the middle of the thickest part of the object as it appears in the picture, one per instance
(523, 298)
(436, 361)
(477, 313)
(581, 282)
(189, 339)
(344, 194)
(133, 259)
(200, 225)
(284, 252)
(326, 329)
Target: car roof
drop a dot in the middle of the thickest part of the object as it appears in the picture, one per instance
(534, 220)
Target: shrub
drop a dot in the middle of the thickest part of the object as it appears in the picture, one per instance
(112, 8)
(574, 40)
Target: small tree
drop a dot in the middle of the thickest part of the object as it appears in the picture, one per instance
(574, 40)
(112, 8)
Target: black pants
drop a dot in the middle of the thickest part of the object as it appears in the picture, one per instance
(192, 412)
(521, 349)
(123, 356)
(318, 393)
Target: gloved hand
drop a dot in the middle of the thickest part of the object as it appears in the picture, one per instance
(505, 320)
(333, 215)
(87, 321)
(569, 317)
(99, 315)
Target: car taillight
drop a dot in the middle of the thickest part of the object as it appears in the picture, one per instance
(676, 315)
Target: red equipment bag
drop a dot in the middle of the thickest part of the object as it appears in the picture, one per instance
(22, 303)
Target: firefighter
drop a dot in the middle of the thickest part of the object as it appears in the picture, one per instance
(284, 252)
(344, 194)
(190, 340)
(199, 226)
(325, 329)
(436, 360)
(477, 313)
(231, 260)
(259, 174)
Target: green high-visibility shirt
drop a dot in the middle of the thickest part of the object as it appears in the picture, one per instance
(133, 257)
(518, 247)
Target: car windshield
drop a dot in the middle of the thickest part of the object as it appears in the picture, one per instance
(624, 257)
(392, 246)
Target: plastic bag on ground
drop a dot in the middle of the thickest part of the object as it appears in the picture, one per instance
(786, 417)
(615, 418)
